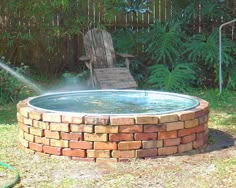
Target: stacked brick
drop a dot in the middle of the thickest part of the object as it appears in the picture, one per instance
(111, 138)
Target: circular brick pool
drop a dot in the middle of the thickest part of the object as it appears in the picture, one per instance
(111, 137)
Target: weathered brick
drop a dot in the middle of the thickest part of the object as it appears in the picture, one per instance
(52, 134)
(186, 115)
(145, 136)
(81, 128)
(52, 117)
(98, 153)
(24, 142)
(168, 118)
(24, 111)
(73, 152)
(41, 124)
(36, 115)
(36, 131)
(199, 112)
(60, 127)
(198, 143)
(97, 120)
(21, 104)
(80, 145)
(122, 120)
(152, 144)
(187, 139)
(191, 123)
(42, 140)
(123, 154)
(72, 118)
(59, 143)
(105, 145)
(200, 128)
(36, 147)
(95, 137)
(167, 150)
(174, 126)
(166, 135)
(172, 142)
(131, 129)
(121, 137)
(27, 121)
(146, 153)
(154, 128)
(129, 145)
(146, 120)
(21, 133)
(200, 135)
(24, 127)
(19, 117)
(185, 147)
(106, 129)
(106, 160)
(29, 137)
(52, 150)
(186, 132)
(71, 136)
(203, 119)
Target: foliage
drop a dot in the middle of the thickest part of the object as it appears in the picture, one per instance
(179, 78)
(10, 88)
(164, 42)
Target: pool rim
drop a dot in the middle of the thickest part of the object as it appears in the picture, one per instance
(195, 99)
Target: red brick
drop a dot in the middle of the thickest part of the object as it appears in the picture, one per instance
(198, 143)
(121, 137)
(52, 150)
(81, 128)
(146, 120)
(52, 117)
(73, 152)
(123, 154)
(71, 136)
(166, 135)
(95, 137)
(36, 131)
(129, 145)
(122, 120)
(191, 123)
(174, 126)
(185, 147)
(186, 115)
(59, 127)
(80, 145)
(200, 128)
(171, 142)
(131, 129)
(36, 147)
(168, 118)
(98, 153)
(35, 115)
(52, 134)
(75, 119)
(199, 112)
(186, 132)
(200, 135)
(105, 145)
(146, 153)
(42, 140)
(96, 120)
(187, 139)
(106, 129)
(154, 128)
(27, 121)
(145, 136)
(29, 137)
(21, 104)
(167, 150)
(24, 111)
(41, 124)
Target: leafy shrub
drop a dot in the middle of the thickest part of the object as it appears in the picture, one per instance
(179, 78)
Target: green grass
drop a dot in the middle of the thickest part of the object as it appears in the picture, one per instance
(213, 169)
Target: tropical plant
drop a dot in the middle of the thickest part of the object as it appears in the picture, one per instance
(179, 78)
(164, 42)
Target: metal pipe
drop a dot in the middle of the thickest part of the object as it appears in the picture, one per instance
(220, 53)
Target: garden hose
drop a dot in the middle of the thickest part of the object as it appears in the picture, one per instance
(17, 177)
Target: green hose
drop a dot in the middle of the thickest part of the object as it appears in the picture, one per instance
(17, 177)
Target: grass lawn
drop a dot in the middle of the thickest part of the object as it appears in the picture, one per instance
(204, 168)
